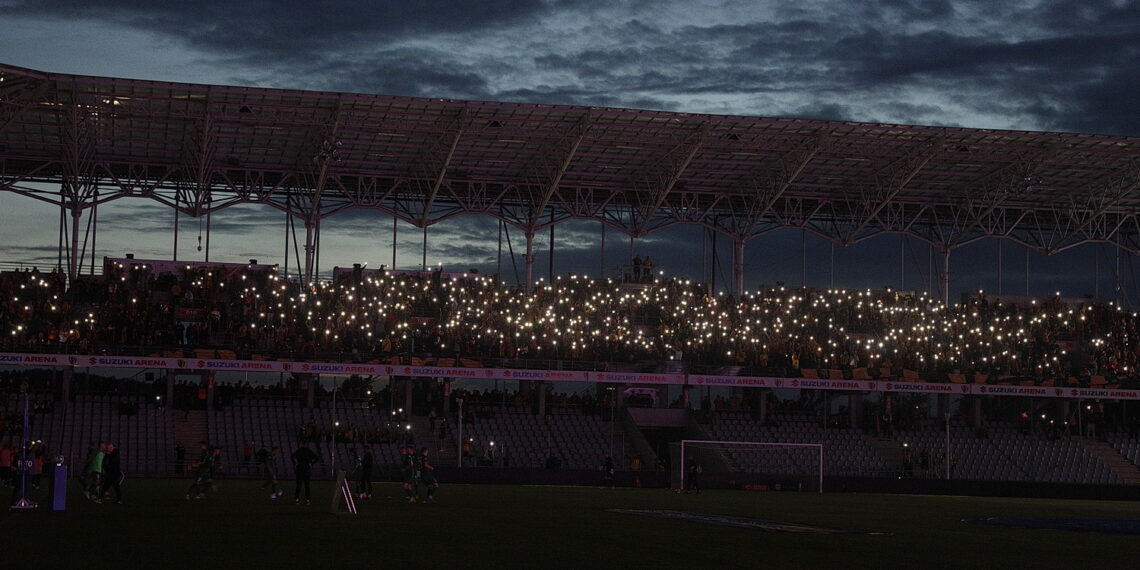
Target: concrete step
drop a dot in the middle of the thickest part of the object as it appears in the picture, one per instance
(889, 451)
(1112, 458)
(189, 429)
(442, 452)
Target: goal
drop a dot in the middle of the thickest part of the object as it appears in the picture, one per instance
(750, 464)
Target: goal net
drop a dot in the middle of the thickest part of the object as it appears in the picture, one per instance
(748, 465)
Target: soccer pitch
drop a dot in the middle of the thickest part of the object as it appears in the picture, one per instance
(488, 526)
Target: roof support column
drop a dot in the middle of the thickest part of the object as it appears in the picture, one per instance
(1118, 289)
(944, 279)
(73, 255)
(310, 248)
(738, 265)
(529, 260)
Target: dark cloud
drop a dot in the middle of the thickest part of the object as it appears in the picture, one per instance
(1107, 106)
(920, 10)
(400, 71)
(1051, 65)
(822, 110)
(875, 57)
(32, 254)
(283, 25)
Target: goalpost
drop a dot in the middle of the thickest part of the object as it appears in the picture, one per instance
(797, 466)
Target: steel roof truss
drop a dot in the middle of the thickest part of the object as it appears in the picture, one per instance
(1117, 188)
(662, 179)
(692, 207)
(429, 170)
(140, 179)
(891, 179)
(585, 202)
(551, 167)
(79, 183)
(995, 187)
(17, 96)
(477, 197)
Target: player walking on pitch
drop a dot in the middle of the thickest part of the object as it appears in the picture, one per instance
(427, 474)
(408, 471)
(268, 460)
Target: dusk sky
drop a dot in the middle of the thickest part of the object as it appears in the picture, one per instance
(1025, 65)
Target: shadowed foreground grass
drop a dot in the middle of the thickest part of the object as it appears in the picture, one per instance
(551, 527)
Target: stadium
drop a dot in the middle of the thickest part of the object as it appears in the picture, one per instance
(789, 404)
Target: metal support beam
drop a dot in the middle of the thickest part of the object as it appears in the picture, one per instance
(442, 171)
(738, 265)
(529, 285)
(1118, 187)
(672, 174)
(994, 188)
(944, 279)
(894, 178)
(789, 175)
(310, 249)
(73, 255)
(555, 178)
(426, 167)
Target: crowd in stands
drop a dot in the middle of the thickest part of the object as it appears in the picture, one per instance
(363, 317)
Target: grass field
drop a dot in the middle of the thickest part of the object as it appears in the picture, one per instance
(497, 526)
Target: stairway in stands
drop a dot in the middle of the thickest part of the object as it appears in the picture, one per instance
(1112, 458)
(888, 451)
(421, 427)
(189, 429)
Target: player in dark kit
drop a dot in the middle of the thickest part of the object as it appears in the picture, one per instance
(112, 475)
(426, 475)
(303, 461)
(366, 461)
(693, 482)
(268, 460)
(408, 472)
(208, 464)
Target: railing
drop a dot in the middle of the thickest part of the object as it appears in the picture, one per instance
(663, 366)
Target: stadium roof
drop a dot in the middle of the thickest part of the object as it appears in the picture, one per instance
(80, 140)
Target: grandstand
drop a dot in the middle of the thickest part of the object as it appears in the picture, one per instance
(533, 428)
(254, 339)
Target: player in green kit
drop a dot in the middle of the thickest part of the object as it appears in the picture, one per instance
(427, 474)
(408, 471)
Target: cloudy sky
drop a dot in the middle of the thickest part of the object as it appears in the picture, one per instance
(1021, 64)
